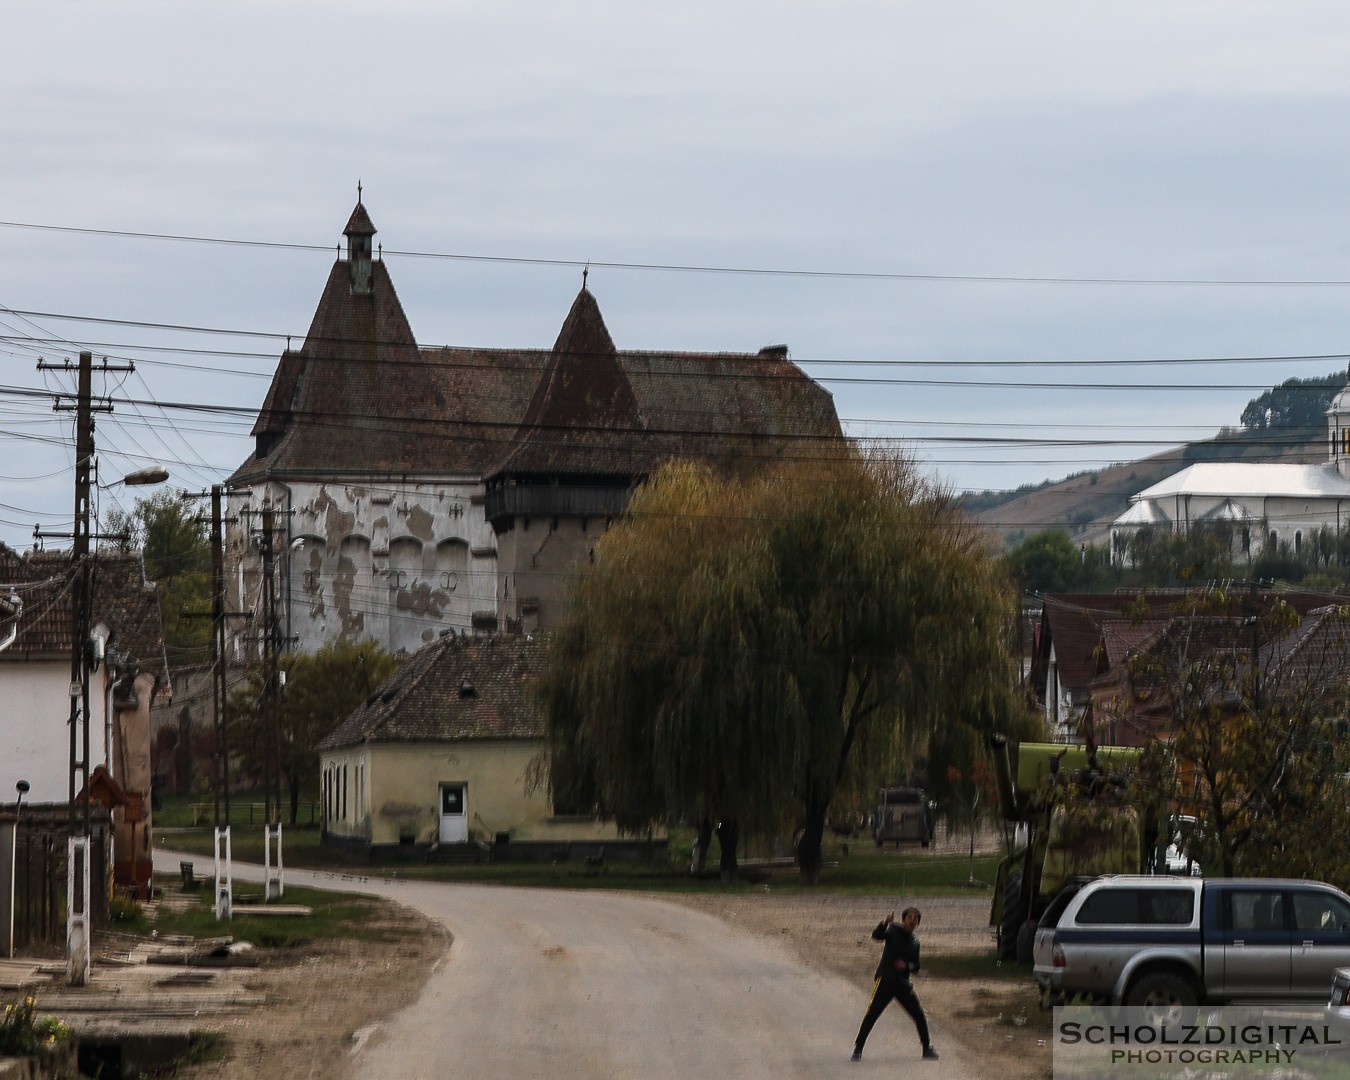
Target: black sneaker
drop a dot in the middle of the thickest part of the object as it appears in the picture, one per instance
(930, 1054)
(857, 1055)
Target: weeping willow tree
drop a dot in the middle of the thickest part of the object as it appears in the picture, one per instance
(654, 691)
(744, 648)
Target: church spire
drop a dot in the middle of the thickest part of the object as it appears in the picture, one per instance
(360, 232)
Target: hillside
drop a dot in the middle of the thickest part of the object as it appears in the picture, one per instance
(1087, 503)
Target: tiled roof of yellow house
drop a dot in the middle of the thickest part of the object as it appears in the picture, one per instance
(453, 689)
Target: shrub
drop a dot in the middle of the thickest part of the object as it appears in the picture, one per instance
(22, 1032)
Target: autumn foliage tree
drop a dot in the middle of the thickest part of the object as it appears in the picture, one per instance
(745, 647)
(1250, 697)
(321, 690)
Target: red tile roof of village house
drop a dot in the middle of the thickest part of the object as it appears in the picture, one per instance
(454, 689)
(121, 599)
(1093, 632)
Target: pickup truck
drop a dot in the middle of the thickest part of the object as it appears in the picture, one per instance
(1167, 942)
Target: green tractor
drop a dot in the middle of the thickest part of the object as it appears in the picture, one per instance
(1069, 808)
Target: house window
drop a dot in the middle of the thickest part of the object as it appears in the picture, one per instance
(1298, 542)
(1274, 540)
(1246, 541)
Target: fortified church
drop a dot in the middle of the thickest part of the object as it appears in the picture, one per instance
(397, 492)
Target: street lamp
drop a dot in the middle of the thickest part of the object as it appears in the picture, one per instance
(154, 474)
(78, 928)
(22, 788)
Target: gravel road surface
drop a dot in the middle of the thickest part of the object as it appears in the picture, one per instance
(588, 984)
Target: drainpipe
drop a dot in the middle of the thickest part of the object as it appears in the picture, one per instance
(15, 605)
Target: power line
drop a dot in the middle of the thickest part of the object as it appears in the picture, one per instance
(685, 268)
(428, 351)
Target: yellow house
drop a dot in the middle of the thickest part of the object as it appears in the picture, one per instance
(438, 761)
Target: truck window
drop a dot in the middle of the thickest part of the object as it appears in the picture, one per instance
(1150, 907)
(1058, 904)
(1256, 909)
(1320, 911)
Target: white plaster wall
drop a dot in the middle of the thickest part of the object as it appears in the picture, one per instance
(35, 729)
(395, 562)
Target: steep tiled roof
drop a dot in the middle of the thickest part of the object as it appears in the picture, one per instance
(360, 397)
(121, 599)
(359, 224)
(451, 690)
(583, 416)
(359, 390)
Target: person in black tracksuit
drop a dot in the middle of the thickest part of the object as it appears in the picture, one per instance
(899, 960)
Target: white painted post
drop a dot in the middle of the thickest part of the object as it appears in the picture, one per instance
(77, 911)
(273, 886)
(224, 877)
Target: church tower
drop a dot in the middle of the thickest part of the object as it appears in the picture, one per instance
(1338, 432)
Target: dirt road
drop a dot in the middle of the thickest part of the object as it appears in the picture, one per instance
(589, 984)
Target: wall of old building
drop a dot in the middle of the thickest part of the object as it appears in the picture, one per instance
(133, 825)
(35, 735)
(396, 562)
(538, 560)
(387, 793)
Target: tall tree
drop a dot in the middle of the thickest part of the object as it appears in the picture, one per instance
(745, 647)
(1295, 403)
(176, 546)
(1046, 562)
(321, 690)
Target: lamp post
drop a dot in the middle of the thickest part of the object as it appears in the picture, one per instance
(22, 787)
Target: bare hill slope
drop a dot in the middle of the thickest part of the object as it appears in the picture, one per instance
(1086, 504)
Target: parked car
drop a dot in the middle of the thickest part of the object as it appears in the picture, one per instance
(903, 814)
(1176, 859)
(1177, 941)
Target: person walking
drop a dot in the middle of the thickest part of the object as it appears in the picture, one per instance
(899, 960)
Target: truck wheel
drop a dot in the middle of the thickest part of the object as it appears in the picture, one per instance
(1169, 998)
(1026, 943)
(1014, 917)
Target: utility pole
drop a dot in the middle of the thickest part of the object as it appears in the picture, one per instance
(272, 641)
(220, 779)
(78, 885)
(271, 708)
(220, 762)
(79, 598)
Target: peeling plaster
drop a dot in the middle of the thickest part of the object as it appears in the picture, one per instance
(353, 622)
(314, 585)
(421, 524)
(421, 599)
(338, 523)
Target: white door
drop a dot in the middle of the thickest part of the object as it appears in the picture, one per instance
(454, 814)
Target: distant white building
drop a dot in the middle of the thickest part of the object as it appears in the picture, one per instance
(1269, 507)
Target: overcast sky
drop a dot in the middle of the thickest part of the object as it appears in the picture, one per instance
(971, 222)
